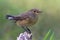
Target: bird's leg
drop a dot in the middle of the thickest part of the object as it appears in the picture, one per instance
(26, 29)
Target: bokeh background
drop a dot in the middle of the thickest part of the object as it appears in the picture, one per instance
(47, 27)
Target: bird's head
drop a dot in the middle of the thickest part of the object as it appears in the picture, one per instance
(36, 11)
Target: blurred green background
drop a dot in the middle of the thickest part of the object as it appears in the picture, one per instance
(47, 27)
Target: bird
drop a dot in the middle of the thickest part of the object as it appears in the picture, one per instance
(26, 19)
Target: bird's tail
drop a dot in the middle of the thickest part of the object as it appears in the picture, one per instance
(13, 17)
(9, 17)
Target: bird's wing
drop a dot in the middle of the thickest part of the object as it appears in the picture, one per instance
(23, 17)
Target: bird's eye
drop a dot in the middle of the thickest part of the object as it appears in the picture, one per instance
(34, 11)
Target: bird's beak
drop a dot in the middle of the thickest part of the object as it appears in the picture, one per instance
(39, 12)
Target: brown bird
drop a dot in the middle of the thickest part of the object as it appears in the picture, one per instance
(26, 19)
